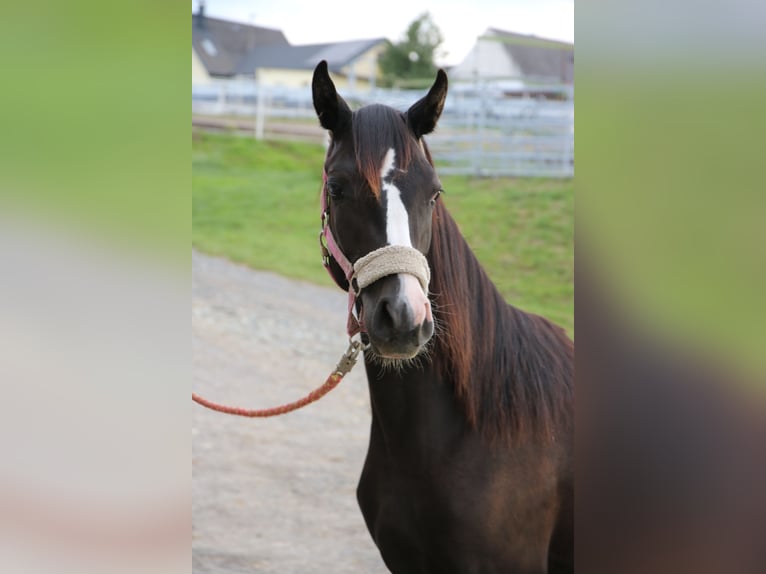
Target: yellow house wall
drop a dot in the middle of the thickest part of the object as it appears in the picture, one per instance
(363, 68)
(199, 73)
(302, 79)
(285, 78)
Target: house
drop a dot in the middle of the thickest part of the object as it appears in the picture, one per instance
(224, 50)
(354, 64)
(218, 46)
(527, 60)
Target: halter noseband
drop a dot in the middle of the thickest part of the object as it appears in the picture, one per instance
(387, 260)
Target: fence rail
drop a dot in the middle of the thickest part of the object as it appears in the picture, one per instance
(481, 132)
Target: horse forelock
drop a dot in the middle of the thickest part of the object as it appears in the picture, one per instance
(376, 130)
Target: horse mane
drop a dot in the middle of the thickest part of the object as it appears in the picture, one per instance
(512, 371)
(506, 365)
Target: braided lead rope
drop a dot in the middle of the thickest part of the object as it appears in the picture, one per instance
(344, 366)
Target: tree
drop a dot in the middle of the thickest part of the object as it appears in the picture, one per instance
(411, 60)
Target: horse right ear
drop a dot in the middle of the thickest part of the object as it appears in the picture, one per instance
(332, 110)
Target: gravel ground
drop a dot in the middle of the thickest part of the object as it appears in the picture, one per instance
(274, 495)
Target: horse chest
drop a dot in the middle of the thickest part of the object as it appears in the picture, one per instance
(455, 519)
(404, 492)
(437, 499)
(411, 517)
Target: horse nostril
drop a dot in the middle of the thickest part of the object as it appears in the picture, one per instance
(424, 332)
(387, 317)
(393, 317)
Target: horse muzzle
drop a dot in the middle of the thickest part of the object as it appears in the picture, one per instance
(398, 317)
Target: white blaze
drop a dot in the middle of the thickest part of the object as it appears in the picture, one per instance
(397, 220)
(398, 233)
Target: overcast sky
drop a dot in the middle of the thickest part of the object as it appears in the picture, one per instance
(461, 21)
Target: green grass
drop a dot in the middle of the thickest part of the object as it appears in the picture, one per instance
(258, 203)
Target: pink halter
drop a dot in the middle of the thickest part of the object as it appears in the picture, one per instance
(330, 248)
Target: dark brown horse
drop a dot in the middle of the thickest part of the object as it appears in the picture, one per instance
(469, 468)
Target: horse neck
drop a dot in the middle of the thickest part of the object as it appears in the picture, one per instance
(414, 414)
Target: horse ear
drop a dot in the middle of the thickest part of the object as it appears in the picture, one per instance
(332, 110)
(424, 113)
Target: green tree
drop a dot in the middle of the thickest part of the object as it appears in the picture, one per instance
(410, 62)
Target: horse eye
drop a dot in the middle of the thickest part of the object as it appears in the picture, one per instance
(333, 190)
(436, 196)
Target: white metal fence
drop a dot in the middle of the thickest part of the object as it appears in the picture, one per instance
(481, 131)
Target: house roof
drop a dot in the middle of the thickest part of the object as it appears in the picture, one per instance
(222, 45)
(537, 57)
(304, 57)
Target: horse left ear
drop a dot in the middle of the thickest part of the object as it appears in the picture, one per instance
(424, 113)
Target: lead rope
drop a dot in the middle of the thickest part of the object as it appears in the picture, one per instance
(344, 366)
(347, 360)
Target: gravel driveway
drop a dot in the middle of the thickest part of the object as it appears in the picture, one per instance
(274, 495)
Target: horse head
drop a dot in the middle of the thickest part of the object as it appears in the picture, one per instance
(380, 190)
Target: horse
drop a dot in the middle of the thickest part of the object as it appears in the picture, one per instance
(470, 461)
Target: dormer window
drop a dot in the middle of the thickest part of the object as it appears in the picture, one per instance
(209, 47)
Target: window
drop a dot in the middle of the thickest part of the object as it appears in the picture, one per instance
(209, 47)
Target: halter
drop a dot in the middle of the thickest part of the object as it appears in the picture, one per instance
(387, 260)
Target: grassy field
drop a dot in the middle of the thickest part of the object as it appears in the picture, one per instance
(258, 203)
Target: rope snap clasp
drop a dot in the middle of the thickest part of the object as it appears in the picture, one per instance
(349, 358)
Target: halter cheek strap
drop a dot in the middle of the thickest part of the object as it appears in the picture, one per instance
(330, 249)
(387, 260)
